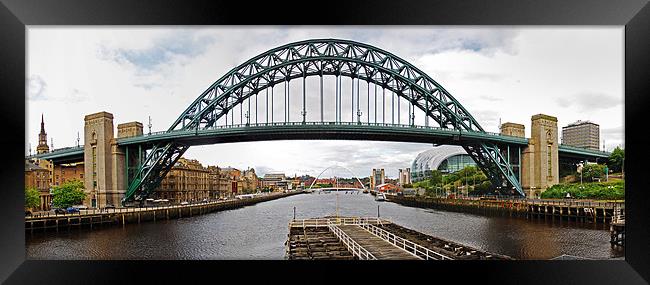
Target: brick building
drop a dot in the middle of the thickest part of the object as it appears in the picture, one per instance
(39, 178)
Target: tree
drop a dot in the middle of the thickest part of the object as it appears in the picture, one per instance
(436, 178)
(591, 172)
(68, 194)
(484, 188)
(616, 159)
(32, 198)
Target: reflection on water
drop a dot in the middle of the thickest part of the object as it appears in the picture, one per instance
(259, 232)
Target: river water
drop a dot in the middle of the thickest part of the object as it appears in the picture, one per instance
(259, 232)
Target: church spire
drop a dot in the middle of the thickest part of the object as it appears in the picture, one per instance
(42, 139)
(42, 124)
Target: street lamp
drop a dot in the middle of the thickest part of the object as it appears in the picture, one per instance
(580, 167)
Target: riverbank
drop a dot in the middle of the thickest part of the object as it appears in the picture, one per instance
(123, 216)
(578, 211)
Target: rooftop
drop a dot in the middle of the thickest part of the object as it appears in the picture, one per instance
(581, 122)
(30, 166)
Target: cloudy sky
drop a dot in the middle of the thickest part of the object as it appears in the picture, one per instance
(497, 73)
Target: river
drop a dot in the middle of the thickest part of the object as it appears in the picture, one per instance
(259, 232)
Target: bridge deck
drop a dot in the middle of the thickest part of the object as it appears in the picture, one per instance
(380, 248)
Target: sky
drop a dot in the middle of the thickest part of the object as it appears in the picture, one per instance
(505, 73)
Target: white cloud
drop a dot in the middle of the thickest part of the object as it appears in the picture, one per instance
(36, 88)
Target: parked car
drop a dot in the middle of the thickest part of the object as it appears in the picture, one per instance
(109, 207)
(72, 210)
(59, 211)
(185, 203)
(28, 213)
(81, 207)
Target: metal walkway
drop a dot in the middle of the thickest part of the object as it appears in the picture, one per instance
(379, 248)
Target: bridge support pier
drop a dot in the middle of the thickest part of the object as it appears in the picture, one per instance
(107, 164)
(540, 160)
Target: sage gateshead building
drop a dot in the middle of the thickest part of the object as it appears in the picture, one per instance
(444, 158)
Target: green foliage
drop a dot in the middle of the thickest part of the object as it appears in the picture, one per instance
(436, 177)
(484, 187)
(32, 198)
(616, 159)
(470, 175)
(614, 190)
(407, 186)
(68, 194)
(591, 172)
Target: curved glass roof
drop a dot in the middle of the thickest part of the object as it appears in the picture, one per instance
(431, 159)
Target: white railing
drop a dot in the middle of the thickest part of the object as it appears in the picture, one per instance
(618, 215)
(407, 245)
(324, 222)
(352, 245)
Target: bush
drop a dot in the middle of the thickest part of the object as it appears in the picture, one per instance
(614, 190)
(591, 172)
(32, 198)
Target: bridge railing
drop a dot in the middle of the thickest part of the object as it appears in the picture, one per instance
(337, 221)
(235, 126)
(351, 244)
(407, 245)
(577, 148)
(57, 151)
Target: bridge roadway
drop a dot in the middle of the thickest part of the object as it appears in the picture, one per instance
(319, 130)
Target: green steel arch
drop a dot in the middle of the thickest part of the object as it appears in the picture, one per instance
(320, 57)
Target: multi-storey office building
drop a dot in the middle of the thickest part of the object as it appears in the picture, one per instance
(582, 134)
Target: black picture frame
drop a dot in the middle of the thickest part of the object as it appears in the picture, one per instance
(15, 15)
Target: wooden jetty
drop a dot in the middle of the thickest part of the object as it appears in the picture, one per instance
(617, 228)
(569, 210)
(370, 239)
(315, 243)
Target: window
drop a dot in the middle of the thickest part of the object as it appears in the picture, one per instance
(94, 166)
(550, 168)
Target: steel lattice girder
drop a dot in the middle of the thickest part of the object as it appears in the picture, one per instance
(326, 57)
(490, 159)
(317, 57)
(150, 173)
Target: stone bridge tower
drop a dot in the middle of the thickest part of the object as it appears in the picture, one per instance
(98, 162)
(540, 166)
(104, 160)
